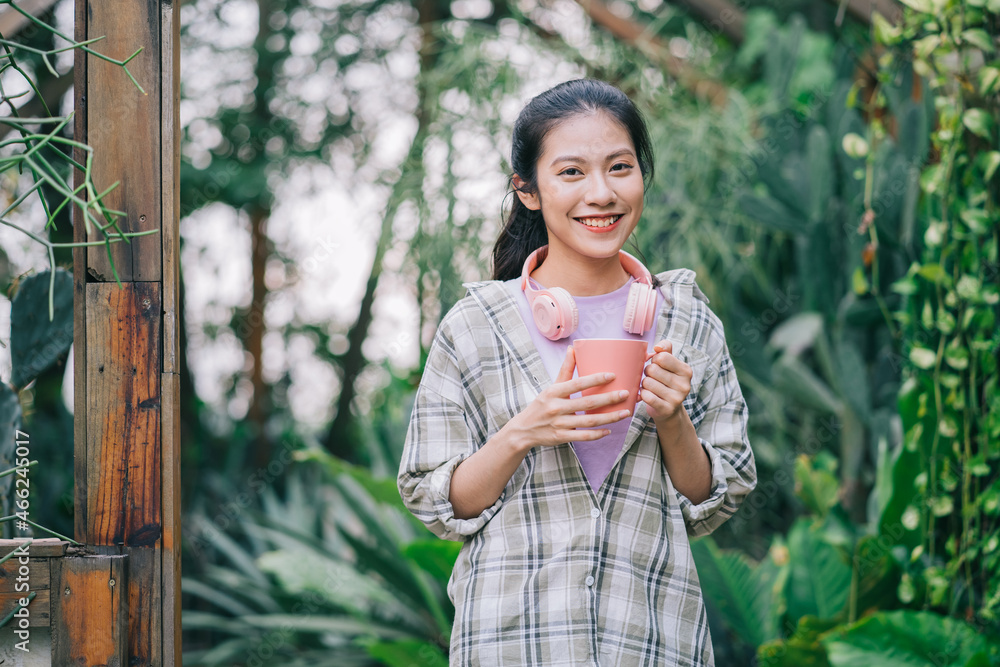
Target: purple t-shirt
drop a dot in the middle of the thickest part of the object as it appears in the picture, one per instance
(600, 316)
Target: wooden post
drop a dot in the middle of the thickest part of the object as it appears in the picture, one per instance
(126, 386)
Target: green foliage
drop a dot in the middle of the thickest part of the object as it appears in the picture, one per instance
(336, 568)
(908, 639)
(36, 341)
(947, 474)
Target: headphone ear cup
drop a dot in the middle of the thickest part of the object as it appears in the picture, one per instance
(650, 308)
(555, 313)
(631, 321)
(640, 310)
(570, 316)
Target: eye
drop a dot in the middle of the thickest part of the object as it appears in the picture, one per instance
(570, 171)
(621, 166)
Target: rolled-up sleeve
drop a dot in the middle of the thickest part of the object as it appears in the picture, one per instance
(446, 427)
(722, 430)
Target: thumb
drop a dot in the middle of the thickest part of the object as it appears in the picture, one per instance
(566, 370)
(664, 346)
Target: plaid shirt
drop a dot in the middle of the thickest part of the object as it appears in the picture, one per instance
(554, 573)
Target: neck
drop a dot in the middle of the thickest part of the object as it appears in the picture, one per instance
(581, 276)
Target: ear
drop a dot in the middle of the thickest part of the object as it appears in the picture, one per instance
(529, 199)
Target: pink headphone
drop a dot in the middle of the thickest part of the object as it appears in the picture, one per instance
(555, 311)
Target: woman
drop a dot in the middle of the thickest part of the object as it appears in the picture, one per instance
(576, 525)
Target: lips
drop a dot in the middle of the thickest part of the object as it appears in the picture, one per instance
(602, 223)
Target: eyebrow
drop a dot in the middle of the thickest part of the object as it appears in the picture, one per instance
(577, 158)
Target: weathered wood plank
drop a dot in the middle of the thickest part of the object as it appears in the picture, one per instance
(45, 547)
(171, 179)
(171, 554)
(79, 284)
(144, 616)
(90, 611)
(12, 577)
(38, 608)
(123, 407)
(124, 125)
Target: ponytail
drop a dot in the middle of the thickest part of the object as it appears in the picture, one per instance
(522, 234)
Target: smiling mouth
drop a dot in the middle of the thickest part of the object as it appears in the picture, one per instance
(599, 221)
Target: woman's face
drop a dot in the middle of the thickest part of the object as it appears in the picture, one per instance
(590, 188)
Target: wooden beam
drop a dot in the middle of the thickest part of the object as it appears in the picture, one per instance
(123, 404)
(124, 126)
(127, 339)
(90, 611)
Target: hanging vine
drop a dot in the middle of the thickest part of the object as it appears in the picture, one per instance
(950, 400)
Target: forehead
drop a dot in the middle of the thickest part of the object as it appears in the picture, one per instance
(586, 134)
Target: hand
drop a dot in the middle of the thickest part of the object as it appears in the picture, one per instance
(666, 384)
(551, 418)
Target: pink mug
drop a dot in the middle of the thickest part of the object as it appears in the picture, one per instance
(624, 358)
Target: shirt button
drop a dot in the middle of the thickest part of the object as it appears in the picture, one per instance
(589, 581)
(595, 512)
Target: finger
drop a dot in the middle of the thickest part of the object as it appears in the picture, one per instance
(601, 419)
(586, 382)
(597, 400)
(669, 362)
(677, 378)
(569, 363)
(661, 392)
(664, 346)
(588, 434)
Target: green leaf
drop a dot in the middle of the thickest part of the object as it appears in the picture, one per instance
(820, 579)
(978, 122)
(977, 220)
(339, 625)
(990, 162)
(905, 639)
(797, 334)
(923, 357)
(407, 653)
(802, 383)
(383, 490)
(35, 342)
(437, 557)
(978, 38)
(989, 80)
(304, 571)
(821, 178)
(732, 586)
(771, 213)
(854, 145)
(932, 272)
(957, 358)
(817, 489)
(922, 6)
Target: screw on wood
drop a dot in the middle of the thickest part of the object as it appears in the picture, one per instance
(66, 592)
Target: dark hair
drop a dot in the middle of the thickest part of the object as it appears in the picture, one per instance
(524, 230)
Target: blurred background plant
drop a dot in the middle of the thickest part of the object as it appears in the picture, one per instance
(829, 173)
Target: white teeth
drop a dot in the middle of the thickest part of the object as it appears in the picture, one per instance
(600, 222)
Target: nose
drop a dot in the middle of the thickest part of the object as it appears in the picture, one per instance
(599, 191)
